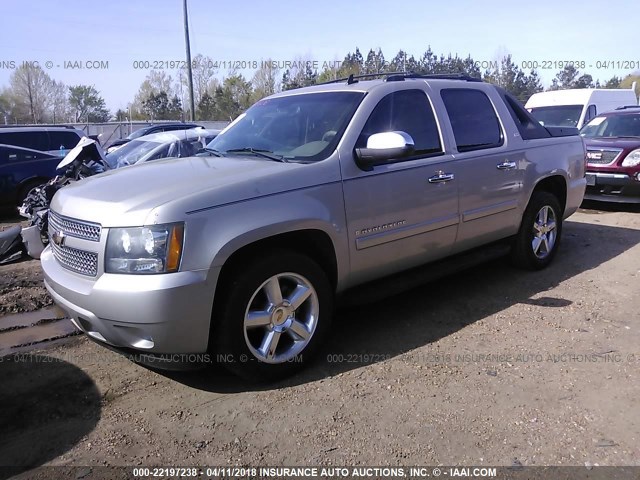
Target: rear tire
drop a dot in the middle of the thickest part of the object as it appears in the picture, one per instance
(538, 239)
(274, 313)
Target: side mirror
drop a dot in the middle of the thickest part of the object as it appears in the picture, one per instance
(382, 147)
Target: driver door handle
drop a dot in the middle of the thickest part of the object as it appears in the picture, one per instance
(506, 165)
(441, 177)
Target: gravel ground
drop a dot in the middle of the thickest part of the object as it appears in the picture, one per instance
(493, 366)
(21, 287)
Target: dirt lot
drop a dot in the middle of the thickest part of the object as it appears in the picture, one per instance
(493, 366)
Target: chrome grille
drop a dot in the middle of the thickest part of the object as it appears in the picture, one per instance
(74, 228)
(79, 261)
(601, 156)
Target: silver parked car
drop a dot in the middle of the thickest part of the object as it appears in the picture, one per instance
(179, 143)
(308, 194)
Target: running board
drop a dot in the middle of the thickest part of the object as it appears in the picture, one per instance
(401, 282)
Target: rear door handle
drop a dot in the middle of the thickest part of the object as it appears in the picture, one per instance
(506, 165)
(441, 177)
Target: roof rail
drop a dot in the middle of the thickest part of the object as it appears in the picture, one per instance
(400, 76)
(625, 107)
(37, 125)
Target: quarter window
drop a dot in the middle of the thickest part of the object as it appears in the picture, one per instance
(407, 111)
(473, 119)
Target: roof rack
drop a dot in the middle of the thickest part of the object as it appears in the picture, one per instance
(401, 76)
(625, 107)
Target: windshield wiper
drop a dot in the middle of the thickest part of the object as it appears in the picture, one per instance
(260, 153)
(213, 151)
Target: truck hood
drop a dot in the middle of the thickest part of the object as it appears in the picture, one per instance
(629, 143)
(127, 196)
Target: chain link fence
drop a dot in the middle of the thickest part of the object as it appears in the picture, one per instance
(110, 131)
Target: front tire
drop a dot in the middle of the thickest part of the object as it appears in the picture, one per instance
(275, 312)
(26, 189)
(537, 241)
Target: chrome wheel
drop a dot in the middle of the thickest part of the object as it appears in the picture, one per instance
(544, 232)
(281, 318)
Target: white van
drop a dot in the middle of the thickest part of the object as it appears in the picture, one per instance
(576, 107)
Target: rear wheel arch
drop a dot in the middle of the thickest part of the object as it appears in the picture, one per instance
(555, 185)
(536, 243)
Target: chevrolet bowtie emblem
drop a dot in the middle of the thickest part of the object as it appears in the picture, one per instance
(58, 238)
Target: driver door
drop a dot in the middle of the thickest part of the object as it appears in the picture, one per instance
(402, 213)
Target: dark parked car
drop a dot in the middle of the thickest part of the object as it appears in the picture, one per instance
(613, 156)
(22, 169)
(55, 140)
(148, 130)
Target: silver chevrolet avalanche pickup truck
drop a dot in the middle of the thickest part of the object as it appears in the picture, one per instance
(239, 254)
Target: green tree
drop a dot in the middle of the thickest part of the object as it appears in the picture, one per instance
(87, 104)
(158, 106)
(238, 91)
(404, 63)
(534, 83)
(155, 82)
(584, 81)
(510, 77)
(121, 115)
(60, 106)
(226, 107)
(207, 107)
(627, 82)
(302, 76)
(430, 63)
(375, 62)
(613, 82)
(565, 78)
(353, 63)
(265, 80)
(5, 107)
(30, 91)
(203, 73)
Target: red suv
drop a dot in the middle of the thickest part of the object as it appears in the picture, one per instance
(613, 156)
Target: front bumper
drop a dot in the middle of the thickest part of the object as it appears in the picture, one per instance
(612, 187)
(158, 314)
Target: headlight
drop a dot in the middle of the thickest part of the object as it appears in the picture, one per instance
(632, 159)
(144, 250)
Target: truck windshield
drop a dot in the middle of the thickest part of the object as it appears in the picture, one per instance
(558, 115)
(303, 127)
(613, 126)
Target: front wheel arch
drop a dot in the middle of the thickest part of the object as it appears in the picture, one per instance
(26, 186)
(230, 338)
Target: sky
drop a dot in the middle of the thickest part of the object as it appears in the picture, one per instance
(120, 36)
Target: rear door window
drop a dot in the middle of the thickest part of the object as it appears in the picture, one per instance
(473, 119)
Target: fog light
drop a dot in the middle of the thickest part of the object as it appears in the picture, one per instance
(638, 177)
